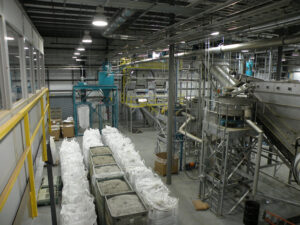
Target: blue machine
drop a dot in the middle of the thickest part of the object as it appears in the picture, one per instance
(109, 99)
(249, 67)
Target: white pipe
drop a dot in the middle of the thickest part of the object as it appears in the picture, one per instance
(258, 155)
(184, 132)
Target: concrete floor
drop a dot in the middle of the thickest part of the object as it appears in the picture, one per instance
(186, 190)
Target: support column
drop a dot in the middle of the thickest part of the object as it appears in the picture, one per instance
(171, 104)
(279, 62)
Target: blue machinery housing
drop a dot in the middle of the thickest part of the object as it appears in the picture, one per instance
(110, 99)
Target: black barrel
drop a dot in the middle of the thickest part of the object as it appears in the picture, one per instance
(251, 213)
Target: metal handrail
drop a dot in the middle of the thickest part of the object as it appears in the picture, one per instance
(29, 139)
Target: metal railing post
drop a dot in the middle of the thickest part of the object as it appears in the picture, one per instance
(49, 113)
(33, 202)
(44, 147)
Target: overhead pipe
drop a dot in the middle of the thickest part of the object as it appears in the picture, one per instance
(184, 132)
(258, 156)
(223, 78)
(261, 44)
(118, 21)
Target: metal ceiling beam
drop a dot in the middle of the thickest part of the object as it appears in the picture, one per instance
(140, 5)
(61, 21)
(55, 16)
(35, 3)
(61, 11)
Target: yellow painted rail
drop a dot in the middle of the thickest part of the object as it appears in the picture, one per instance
(8, 127)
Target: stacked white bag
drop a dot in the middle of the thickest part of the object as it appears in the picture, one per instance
(77, 206)
(91, 138)
(163, 209)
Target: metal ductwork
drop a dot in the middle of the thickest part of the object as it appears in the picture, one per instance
(118, 21)
(223, 78)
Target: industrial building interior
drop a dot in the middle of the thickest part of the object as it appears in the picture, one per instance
(133, 112)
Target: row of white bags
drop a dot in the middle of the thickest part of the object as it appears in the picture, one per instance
(163, 209)
(77, 206)
(91, 138)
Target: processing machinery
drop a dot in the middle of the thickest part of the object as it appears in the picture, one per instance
(100, 99)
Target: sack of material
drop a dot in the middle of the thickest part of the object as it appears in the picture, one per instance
(163, 209)
(83, 112)
(77, 203)
(91, 138)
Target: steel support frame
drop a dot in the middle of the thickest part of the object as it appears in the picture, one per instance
(215, 188)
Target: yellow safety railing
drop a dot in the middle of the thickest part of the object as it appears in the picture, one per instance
(7, 127)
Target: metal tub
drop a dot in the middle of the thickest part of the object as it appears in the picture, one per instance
(100, 195)
(132, 218)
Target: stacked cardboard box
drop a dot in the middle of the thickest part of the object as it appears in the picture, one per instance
(55, 129)
(67, 129)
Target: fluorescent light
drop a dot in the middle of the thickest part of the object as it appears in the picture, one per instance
(245, 50)
(182, 42)
(76, 53)
(9, 38)
(120, 53)
(87, 41)
(100, 23)
(35, 59)
(87, 37)
(142, 100)
(79, 60)
(81, 48)
(215, 33)
(26, 48)
(99, 19)
(34, 53)
(74, 57)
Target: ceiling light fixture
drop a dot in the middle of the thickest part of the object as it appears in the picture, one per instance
(245, 51)
(81, 48)
(9, 38)
(87, 37)
(76, 53)
(215, 33)
(26, 48)
(99, 19)
(74, 57)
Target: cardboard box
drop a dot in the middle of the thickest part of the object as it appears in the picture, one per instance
(160, 165)
(56, 122)
(55, 132)
(56, 113)
(67, 130)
